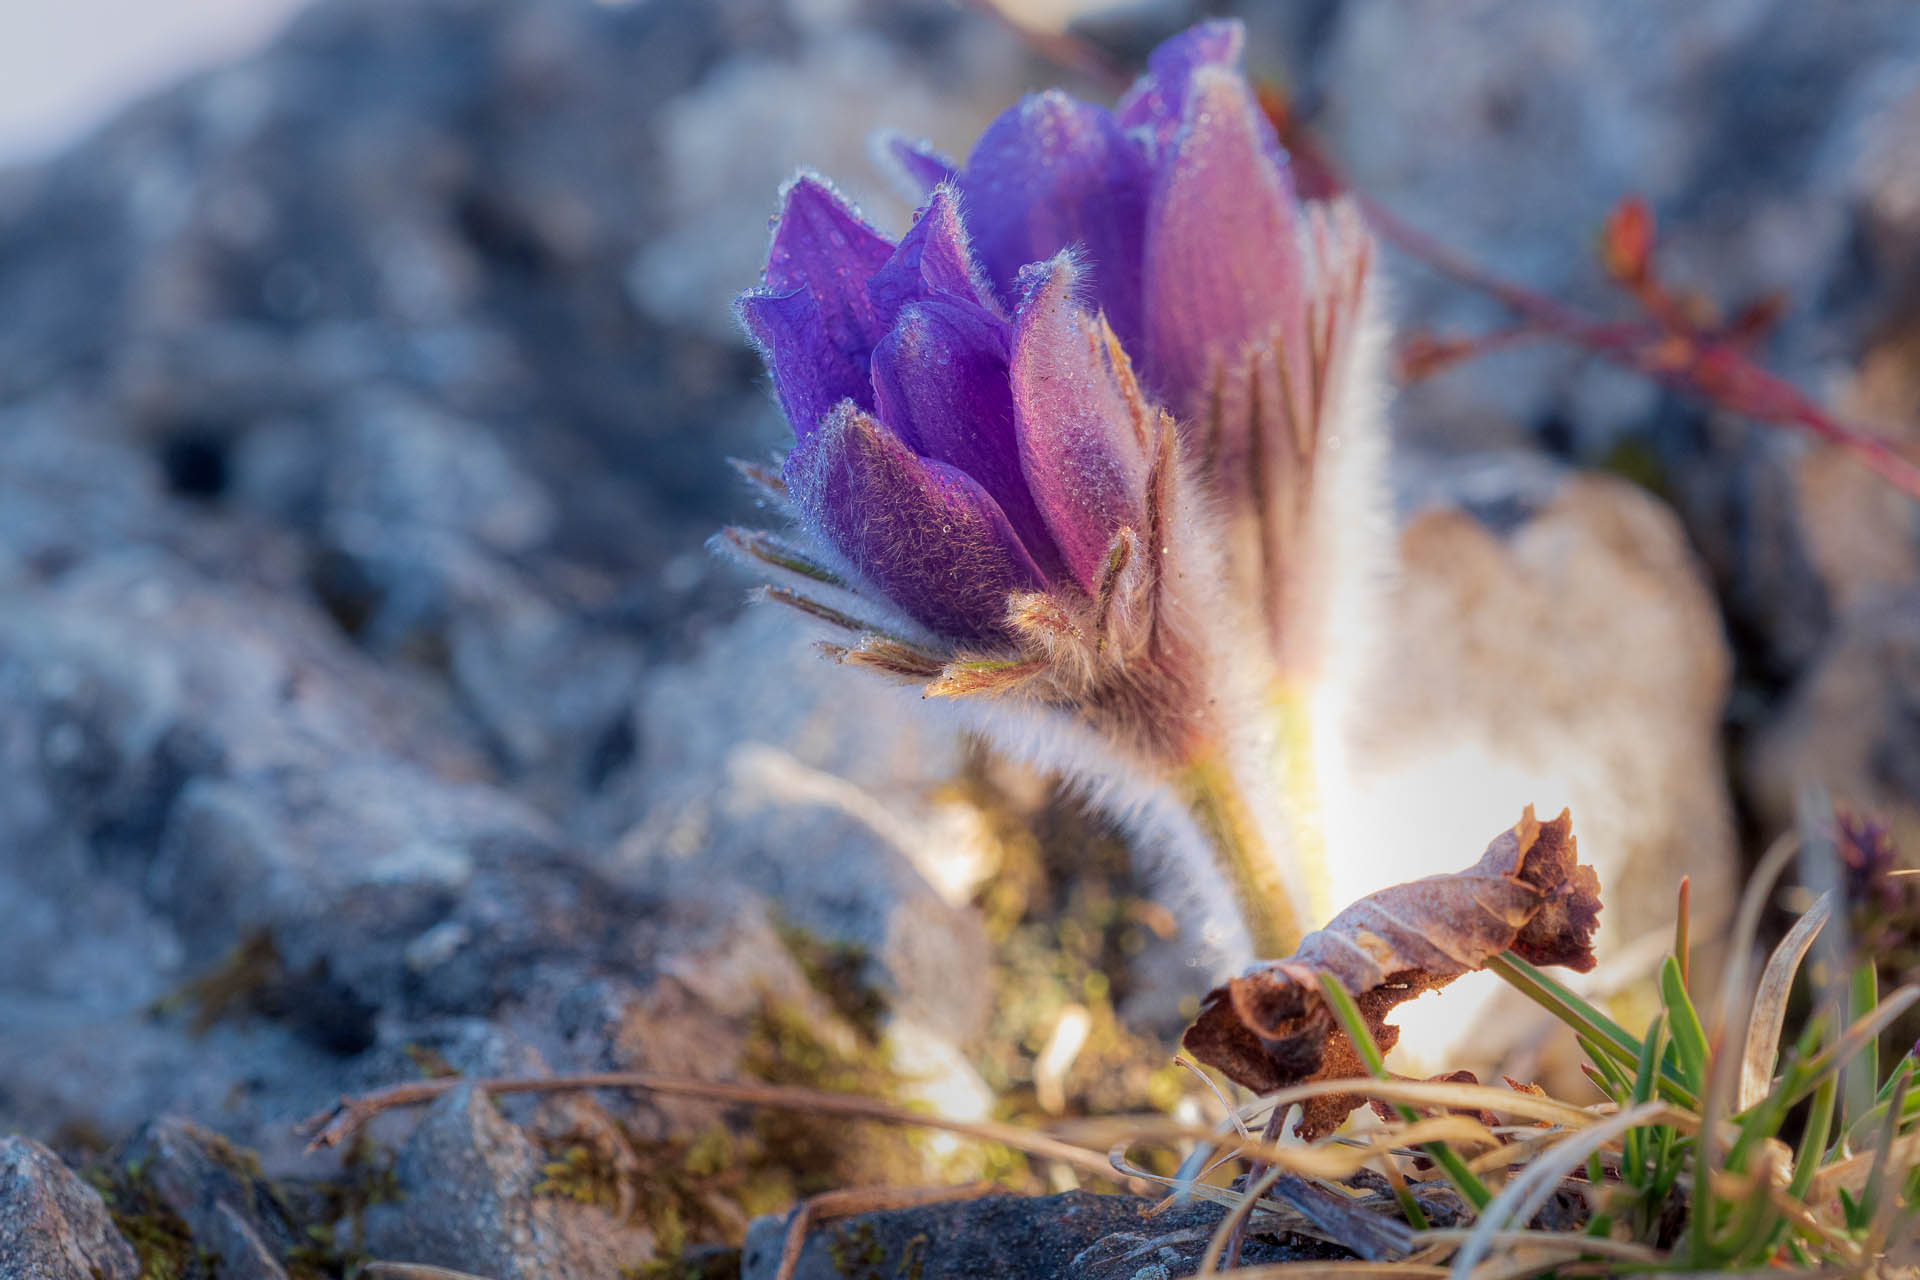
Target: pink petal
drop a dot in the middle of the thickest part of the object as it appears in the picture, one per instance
(1082, 423)
(1223, 262)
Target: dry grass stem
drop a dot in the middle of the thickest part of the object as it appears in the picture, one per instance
(335, 1125)
(1770, 1002)
(1520, 1199)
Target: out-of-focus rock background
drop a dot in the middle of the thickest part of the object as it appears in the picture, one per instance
(369, 706)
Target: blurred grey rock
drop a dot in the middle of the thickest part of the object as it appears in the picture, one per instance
(1797, 535)
(1172, 1244)
(468, 1178)
(212, 778)
(367, 289)
(1851, 725)
(813, 104)
(52, 1225)
(1887, 192)
(1075, 1236)
(218, 1192)
(1553, 643)
(817, 786)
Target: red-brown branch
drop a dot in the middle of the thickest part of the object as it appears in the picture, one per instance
(1711, 367)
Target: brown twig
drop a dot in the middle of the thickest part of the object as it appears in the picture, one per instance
(1666, 348)
(340, 1121)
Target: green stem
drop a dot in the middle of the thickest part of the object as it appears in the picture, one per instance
(1464, 1180)
(1272, 916)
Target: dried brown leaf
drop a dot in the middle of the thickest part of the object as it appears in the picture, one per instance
(1270, 1027)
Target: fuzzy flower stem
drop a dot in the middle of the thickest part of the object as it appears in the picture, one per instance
(1222, 812)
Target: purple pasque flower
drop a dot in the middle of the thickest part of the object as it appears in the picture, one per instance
(993, 501)
(977, 468)
(1241, 306)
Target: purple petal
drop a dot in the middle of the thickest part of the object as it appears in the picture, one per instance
(1081, 419)
(814, 321)
(933, 260)
(927, 537)
(940, 381)
(1052, 173)
(820, 243)
(811, 371)
(1223, 264)
(914, 164)
(1158, 100)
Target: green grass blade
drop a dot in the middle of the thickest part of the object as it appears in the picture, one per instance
(1868, 1125)
(1464, 1179)
(1669, 1147)
(1813, 1141)
(1860, 1079)
(1563, 1004)
(1844, 1050)
(1613, 1080)
(1597, 1080)
(1410, 1208)
(1752, 1230)
(1893, 1078)
(1600, 1225)
(1636, 1153)
(1874, 1197)
(1604, 1032)
(1689, 1037)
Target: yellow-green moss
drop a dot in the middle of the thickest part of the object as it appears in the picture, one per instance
(164, 1243)
(789, 1046)
(722, 1264)
(838, 970)
(1635, 459)
(698, 1190)
(710, 1153)
(1066, 917)
(856, 1253)
(580, 1176)
(237, 987)
(367, 1178)
(160, 1239)
(913, 1258)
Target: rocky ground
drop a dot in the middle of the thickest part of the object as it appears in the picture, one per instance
(370, 709)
